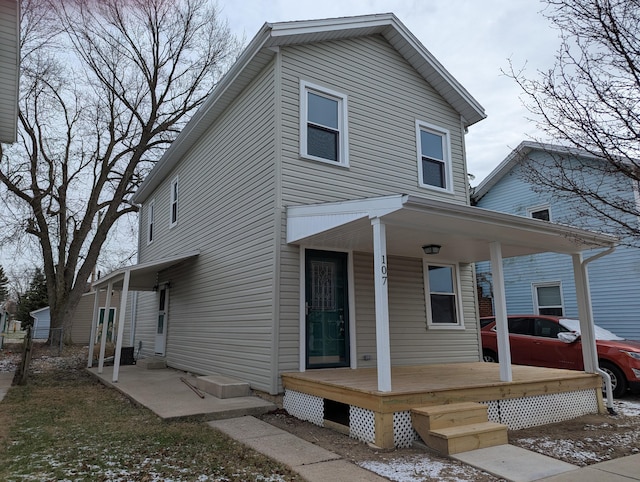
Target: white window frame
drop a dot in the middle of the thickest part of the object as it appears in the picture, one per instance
(455, 270)
(446, 152)
(151, 214)
(343, 131)
(535, 209)
(175, 197)
(546, 284)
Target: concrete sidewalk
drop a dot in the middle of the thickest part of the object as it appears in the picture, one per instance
(313, 463)
(519, 465)
(167, 396)
(6, 378)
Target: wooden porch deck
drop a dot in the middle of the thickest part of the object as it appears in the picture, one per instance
(430, 385)
(435, 384)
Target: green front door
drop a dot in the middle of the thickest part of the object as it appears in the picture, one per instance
(327, 309)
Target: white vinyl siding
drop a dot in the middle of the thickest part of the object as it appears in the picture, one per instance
(9, 69)
(323, 124)
(385, 96)
(221, 311)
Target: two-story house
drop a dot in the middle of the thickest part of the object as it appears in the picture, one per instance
(309, 232)
(544, 283)
(9, 69)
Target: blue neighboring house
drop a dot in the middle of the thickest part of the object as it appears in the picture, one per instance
(544, 283)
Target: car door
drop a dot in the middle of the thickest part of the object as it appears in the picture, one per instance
(521, 339)
(549, 351)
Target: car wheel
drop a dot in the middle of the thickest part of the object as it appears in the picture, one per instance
(618, 381)
(489, 356)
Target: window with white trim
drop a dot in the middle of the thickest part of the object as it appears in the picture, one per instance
(547, 298)
(174, 202)
(540, 212)
(434, 157)
(150, 221)
(442, 295)
(323, 124)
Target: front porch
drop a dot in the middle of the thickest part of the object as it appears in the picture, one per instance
(535, 396)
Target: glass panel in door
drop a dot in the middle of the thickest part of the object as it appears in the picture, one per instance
(326, 307)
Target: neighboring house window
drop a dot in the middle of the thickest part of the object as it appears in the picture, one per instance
(150, 221)
(540, 212)
(174, 202)
(323, 124)
(441, 289)
(434, 157)
(548, 299)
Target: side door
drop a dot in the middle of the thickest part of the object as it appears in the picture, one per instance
(161, 321)
(521, 339)
(550, 351)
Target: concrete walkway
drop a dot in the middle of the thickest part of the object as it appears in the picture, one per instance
(5, 383)
(313, 463)
(167, 396)
(519, 465)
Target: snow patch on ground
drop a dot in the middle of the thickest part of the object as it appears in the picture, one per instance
(420, 468)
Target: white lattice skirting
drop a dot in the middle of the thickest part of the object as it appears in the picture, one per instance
(516, 413)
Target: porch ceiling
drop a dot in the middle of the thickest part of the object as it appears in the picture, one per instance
(464, 232)
(143, 276)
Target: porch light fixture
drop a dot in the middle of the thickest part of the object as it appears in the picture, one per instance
(431, 248)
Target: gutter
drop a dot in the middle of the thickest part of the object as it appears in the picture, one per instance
(605, 376)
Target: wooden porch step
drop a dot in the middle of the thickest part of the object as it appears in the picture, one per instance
(454, 440)
(449, 415)
(457, 427)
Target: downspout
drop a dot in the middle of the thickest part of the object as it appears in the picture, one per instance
(605, 376)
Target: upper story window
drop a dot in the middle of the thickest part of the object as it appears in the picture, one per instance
(174, 202)
(442, 296)
(323, 124)
(150, 221)
(548, 299)
(540, 212)
(434, 157)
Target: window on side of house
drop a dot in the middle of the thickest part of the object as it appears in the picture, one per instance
(174, 202)
(442, 296)
(323, 124)
(434, 157)
(540, 212)
(150, 221)
(547, 298)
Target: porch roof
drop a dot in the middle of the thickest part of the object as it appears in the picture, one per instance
(464, 232)
(143, 276)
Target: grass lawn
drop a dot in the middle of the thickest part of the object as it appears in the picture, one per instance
(64, 425)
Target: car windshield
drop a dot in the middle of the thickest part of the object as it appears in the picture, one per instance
(601, 333)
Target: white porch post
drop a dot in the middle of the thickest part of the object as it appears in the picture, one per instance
(121, 318)
(383, 349)
(500, 306)
(105, 326)
(94, 327)
(585, 314)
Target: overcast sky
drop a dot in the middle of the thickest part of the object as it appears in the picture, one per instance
(473, 39)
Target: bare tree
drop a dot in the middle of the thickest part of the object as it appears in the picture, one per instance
(590, 101)
(106, 85)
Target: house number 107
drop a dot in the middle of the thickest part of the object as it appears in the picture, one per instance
(383, 270)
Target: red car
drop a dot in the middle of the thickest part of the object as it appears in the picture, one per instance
(534, 341)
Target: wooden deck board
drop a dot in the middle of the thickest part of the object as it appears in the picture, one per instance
(434, 384)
